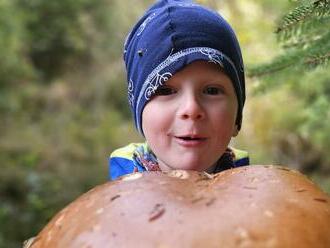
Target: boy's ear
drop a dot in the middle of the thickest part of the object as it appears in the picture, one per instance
(235, 131)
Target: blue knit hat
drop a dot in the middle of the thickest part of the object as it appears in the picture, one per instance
(171, 35)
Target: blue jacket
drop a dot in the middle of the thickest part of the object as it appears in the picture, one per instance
(122, 162)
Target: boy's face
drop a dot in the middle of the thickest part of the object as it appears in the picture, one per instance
(189, 122)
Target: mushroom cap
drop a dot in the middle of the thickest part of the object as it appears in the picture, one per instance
(252, 206)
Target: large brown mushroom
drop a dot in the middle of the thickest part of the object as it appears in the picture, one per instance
(253, 206)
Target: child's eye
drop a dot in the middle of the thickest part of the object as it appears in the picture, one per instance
(165, 90)
(213, 90)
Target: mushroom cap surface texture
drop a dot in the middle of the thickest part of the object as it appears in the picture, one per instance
(251, 206)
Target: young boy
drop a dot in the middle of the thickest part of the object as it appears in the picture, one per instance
(186, 89)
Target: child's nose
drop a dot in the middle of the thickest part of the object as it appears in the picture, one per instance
(191, 108)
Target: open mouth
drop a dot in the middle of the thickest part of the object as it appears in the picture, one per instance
(190, 138)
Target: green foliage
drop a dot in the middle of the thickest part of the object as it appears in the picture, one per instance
(42, 39)
(304, 34)
(56, 33)
(47, 164)
(60, 32)
(13, 65)
(303, 68)
(60, 68)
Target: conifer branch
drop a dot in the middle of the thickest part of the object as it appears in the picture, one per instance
(317, 9)
(316, 60)
(298, 15)
(305, 37)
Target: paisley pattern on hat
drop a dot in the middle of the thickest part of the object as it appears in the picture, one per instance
(157, 81)
(130, 89)
(214, 57)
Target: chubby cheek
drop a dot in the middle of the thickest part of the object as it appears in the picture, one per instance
(155, 124)
(225, 128)
(224, 121)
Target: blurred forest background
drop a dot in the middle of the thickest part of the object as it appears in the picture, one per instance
(63, 102)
